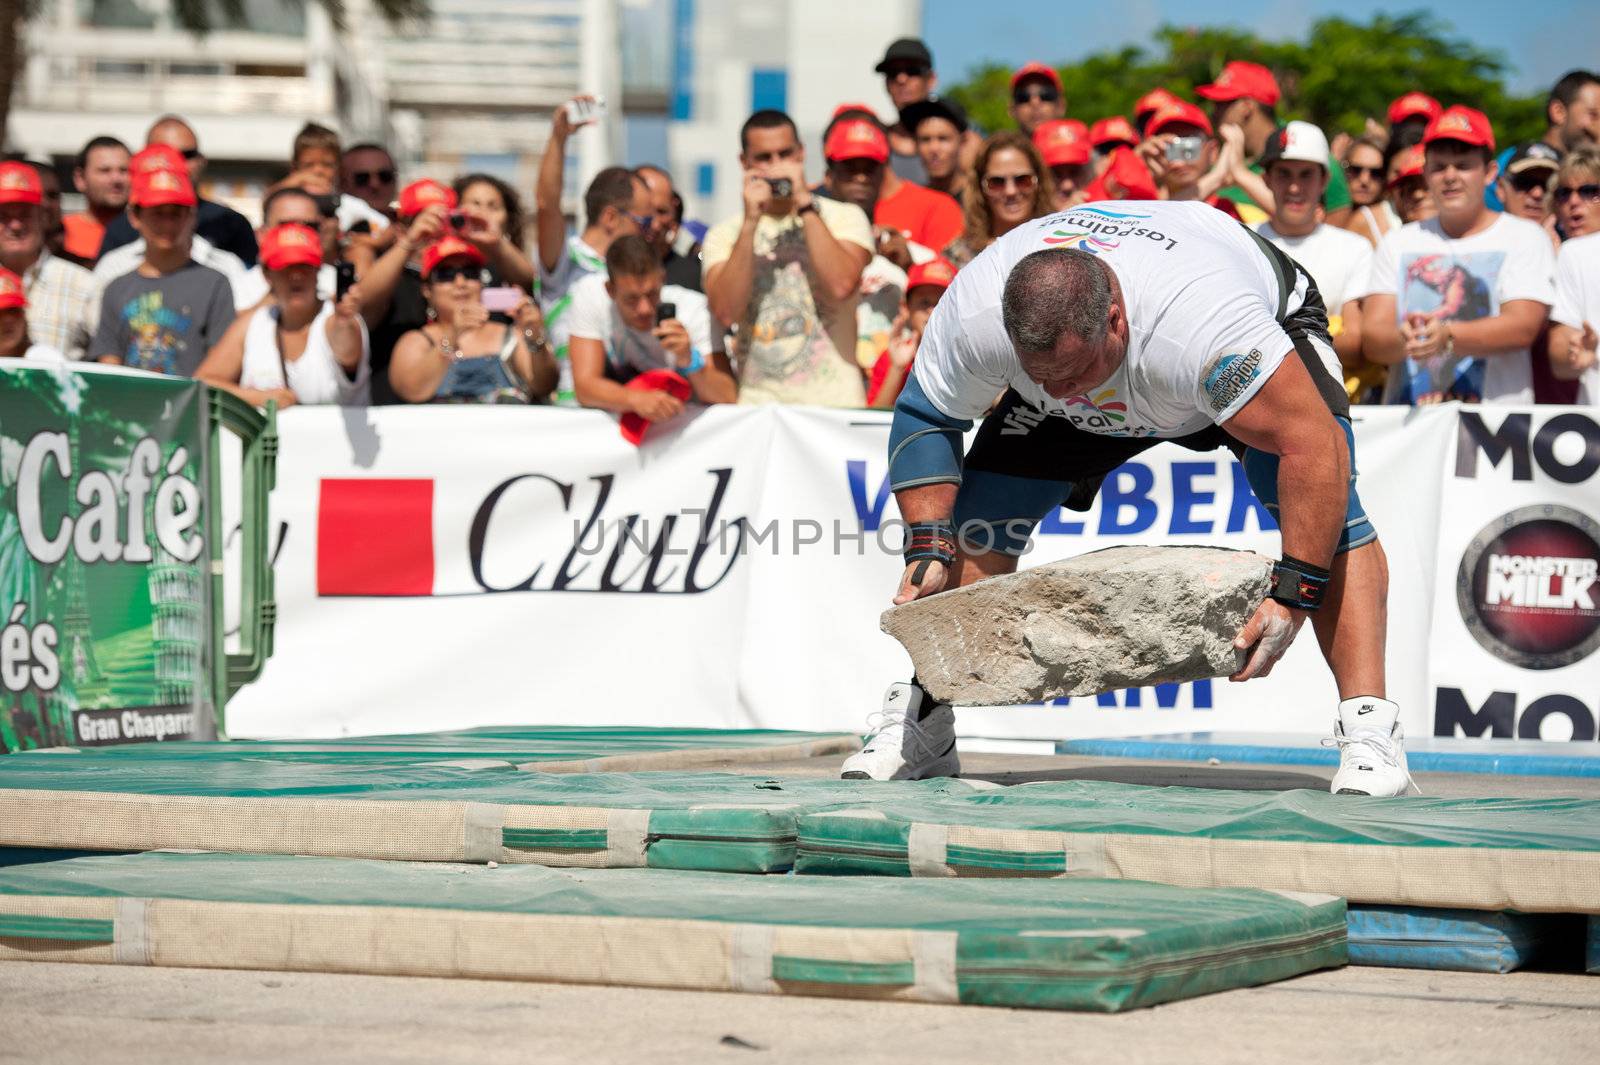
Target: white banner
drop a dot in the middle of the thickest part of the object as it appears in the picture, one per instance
(448, 567)
(1516, 599)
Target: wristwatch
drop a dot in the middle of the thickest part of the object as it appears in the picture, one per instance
(809, 208)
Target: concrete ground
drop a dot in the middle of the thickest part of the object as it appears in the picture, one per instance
(128, 1015)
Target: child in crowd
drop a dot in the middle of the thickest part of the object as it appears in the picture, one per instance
(925, 284)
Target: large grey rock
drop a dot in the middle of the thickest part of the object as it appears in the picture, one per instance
(1124, 617)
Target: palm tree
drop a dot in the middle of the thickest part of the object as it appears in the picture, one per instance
(196, 16)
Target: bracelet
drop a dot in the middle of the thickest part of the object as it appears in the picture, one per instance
(697, 361)
(528, 335)
(932, 540)
(1298, 584)
(1449, 341)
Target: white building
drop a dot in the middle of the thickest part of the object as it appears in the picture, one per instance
(805, 57)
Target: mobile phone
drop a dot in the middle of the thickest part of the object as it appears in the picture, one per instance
(344, 277)
(665, 311)
(1185, 149)
(581, 111)
(501, 298)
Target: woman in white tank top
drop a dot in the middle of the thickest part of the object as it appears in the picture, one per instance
(1364, 164)
(297, 348)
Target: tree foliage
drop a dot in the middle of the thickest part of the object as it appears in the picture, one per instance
(1342, 72)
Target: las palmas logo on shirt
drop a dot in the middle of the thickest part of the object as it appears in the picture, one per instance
(1082, 241)
(1098, 229)
(1102, 413)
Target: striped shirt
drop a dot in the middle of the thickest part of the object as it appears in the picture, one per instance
(63, 304)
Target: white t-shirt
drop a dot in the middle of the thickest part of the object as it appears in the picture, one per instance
(795, 343)
(1202, 301)
(43, 353)
(629, 351)
(316, 376)
(577, 261)
(353, 209)
(1337, 260)
(251, 287)
(1578, 299)
(1461, 280)
(126, 259)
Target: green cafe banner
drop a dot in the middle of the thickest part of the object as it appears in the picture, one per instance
(106, 545)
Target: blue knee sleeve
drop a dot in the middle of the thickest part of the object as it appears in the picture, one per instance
(925, 444)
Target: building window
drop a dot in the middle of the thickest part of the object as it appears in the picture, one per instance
(769, 90)
(705, 179)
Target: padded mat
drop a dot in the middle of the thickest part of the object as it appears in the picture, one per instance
(1086, 945)
(1404, 937)
(142, 798)
(533, 748)
(1533, 855)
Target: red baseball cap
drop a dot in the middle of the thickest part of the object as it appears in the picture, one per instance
(420, 195)
(291, 244)
(1240, 80)
(1464, 124)
(161, 188)
(1036, 70)
(1113, 130)
(1124, 178)
(938, 271)
(1062, 141)
(449, 248)
(845, 108)
(1411, 164)
(12, 294)
(155, 157)
(669, 381)
(19, 183)
(1177, 111)
(856, 138)
(1153, 100)
(1413, 104)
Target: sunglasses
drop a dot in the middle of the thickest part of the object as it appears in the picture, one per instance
(443, 275)
(1022, 96)
(1002, 182)
(190, 154)
(363, 178)
(645, 222)
(910, 70)
(1526, 183)
(1371, 173)
(1590, 193)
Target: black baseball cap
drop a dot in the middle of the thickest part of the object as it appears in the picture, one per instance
(1536, 155)
(906, 50)
(913, 115)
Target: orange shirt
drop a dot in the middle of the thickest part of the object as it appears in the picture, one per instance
(927, 216)
(84, 234)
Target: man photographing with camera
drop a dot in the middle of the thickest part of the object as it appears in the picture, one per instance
(628, 322)
(787, 272)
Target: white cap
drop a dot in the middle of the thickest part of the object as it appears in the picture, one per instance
(1301, 142)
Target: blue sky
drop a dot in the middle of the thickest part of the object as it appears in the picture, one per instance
(1541, 41)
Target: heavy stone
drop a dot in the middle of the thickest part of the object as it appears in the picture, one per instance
(1125, 617)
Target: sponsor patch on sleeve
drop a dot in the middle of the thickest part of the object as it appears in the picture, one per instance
(1227, 377)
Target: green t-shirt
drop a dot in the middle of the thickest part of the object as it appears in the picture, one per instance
(1335, 197)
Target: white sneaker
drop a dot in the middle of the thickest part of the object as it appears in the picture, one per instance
(1372, 760)
(904, 746)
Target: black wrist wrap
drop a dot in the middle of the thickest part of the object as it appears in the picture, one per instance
(1298, 584)
(931, 540)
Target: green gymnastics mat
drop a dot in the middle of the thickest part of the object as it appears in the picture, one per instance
(544, 748)
(1083, 945)
(142, 798)
(1532, 855)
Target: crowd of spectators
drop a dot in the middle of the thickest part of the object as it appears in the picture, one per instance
(1452, 266)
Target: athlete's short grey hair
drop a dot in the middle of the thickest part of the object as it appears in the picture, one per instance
(1055, 292)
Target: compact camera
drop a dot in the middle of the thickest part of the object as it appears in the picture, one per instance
(782, 188)
(1185, 149)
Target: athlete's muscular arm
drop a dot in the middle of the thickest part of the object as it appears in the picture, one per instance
(925, 451)
(1288, 418)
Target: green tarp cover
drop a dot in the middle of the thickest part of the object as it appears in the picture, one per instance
(546, 747)
(1090, 945)
(1535, 855)
(245, 801)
